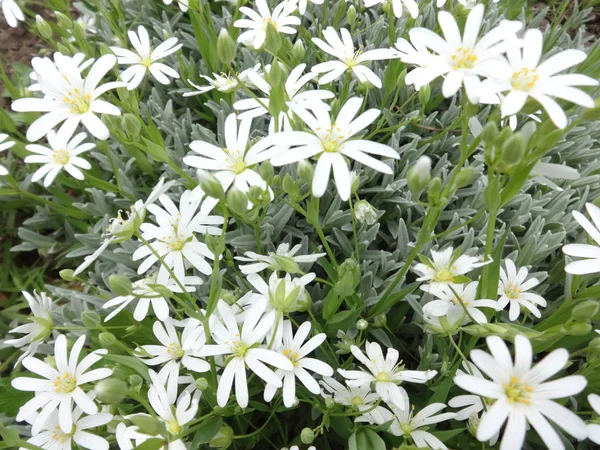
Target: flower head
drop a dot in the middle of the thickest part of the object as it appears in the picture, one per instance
(513, 289)
(590, 253)
(461, 296)
(223, 82)
(258, 22)
(398, 5)
(283, 259)
(12, 12)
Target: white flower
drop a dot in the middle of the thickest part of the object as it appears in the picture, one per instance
(457, 295)
(64, 65)
(146, 59)
(295, 349)
(176, 351)
(350, 59)
(591, 253)
(243, 350)
(522, 394)
(465, 3)
(12, 12)
(594, 428)
(52, 437)
(4, 146)
(183, 4)
(513, 288)
(223, 82)
(444, 268)
(524, 76)
(233, 163)
(63, 154)
(126, 435)
(365, 212)
(405, 423)
(471, 404)
(398, 5)
(70, 99)
(174, 239)
(255, 107)
(283, 259)
(40, 327)
(302, 7)
(60, 387)
(462, 60)
(359, 397)
(147, 296)
(331, 141)
(281, 19)
(450, 323)
(385, 373)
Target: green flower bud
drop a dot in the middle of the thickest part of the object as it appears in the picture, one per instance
(424, 95)
(419, 176)
(259, 196)
(286, 264)
(63, 20)
(513, 150)
(67, 274)
(362, 324)
(305, 171)
(329, 403)
(90, 319)
(287, 296)
(111, 390)
(365, 212)
(156, 151)
(298, 51)
(237, 201)
(273, 39)
(585, 310)
(351, 16)
(489, 133)
(61, 48)
(78, 32)
(226, 47)
(466, 177)
(107, 339)
(132, 126)
(380, 320)
(400, 81)
(579, 328)
(135, 381)
(210, 185)
(148, 425)
(119, 285)
(201, 384)
(230, 297)
(348, 277)
(223, 439)
(503, 136)
(307, 436)
(267, 172)
(43, 27)
(289, 185)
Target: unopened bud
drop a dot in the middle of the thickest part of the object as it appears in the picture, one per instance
(513, 150)
(298, 51)
(380, 320)
(305, 171)
(63, 20)
(210, 185)
(132, 126)
(148, 424)
(119, 285)
(237, 201)
(362, 324)
(329, 403)
(419, 176)
(307, 436)
(351, 16)
(424, 95)
(579, 328)
(223, 438)
(107, 339)
(267, 172)
(111, 390)
(43, 27)
(466, 177)
(226, 47)
(90, 319)
(201, 384)
(585, 310)
(259, 196)
(273, 39)
(489, 133)
(67, 274)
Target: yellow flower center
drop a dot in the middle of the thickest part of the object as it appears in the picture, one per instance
(292, 356)
(147, 62)
(78, 102)
(240, 349)
(444, 275)
(58, 435)
(61, 157)
(524, 79)
(512, 291)
(383, 377)
(463, 59)
(518, 392)
(356, 401)
(173, 427)
(65, 384)
(175, 350)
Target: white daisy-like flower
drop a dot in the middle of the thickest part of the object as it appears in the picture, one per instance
(63, 154)
(449, 323)
(61, 386)
(470, 404)
(590, 253)
(522, 394)
(244, 350)
(296, 350)
(349, 58)
(257, 22)
(69, 98)
(444, 268)
(183, 4)
(39, 329)
(307, 99)
(224, 82)
(233, 164)
(12, 12)
(594, 428)
(176, 351)
(461, 60)
(360, 398)
(304, 3)
(65, 65)
(523, 76)
(398, 6)
(283, 259)
(332, 142)
(4, 145)
(129, 437)
(461, 296)
(52, 437)
(406, 423)
(386, 373)
(146, 296)
(174, 240)
(513, 287)
(145, 59)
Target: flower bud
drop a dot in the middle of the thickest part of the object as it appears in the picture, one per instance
(380, 320)
(424, 95)
(90, 319)
(132, 126)
(229, 296)
(43, 27)
(365, 212)
(267, 172)
(63, 20)
(259, 196)
(298, 51)
(119, 285)
(585, 310)
(348, 277)
(223, 438)
(289, 185)
(307, 436)
(107, 339)
(237, 201)
(226, 47)
(67, 274)
(579, 328)
(78, 32)
(362, 324)
(305, 171)
(148, 424)
(489, 132)
(286, 264)
(466, 177)
(201, 384)
(210, 185)
(273, 39)
(156, 151)
(419, 176)
(135, 381)
(351, 16)
(513, 150)
(111, 390)
(329, 403)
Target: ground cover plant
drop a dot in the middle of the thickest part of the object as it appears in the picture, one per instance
(301, 224)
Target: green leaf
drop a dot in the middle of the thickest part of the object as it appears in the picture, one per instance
(392, 299)
(366, 439)
(331, 304)
(207, 431)
(151, 444)
(12, 399)
(131, 362)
